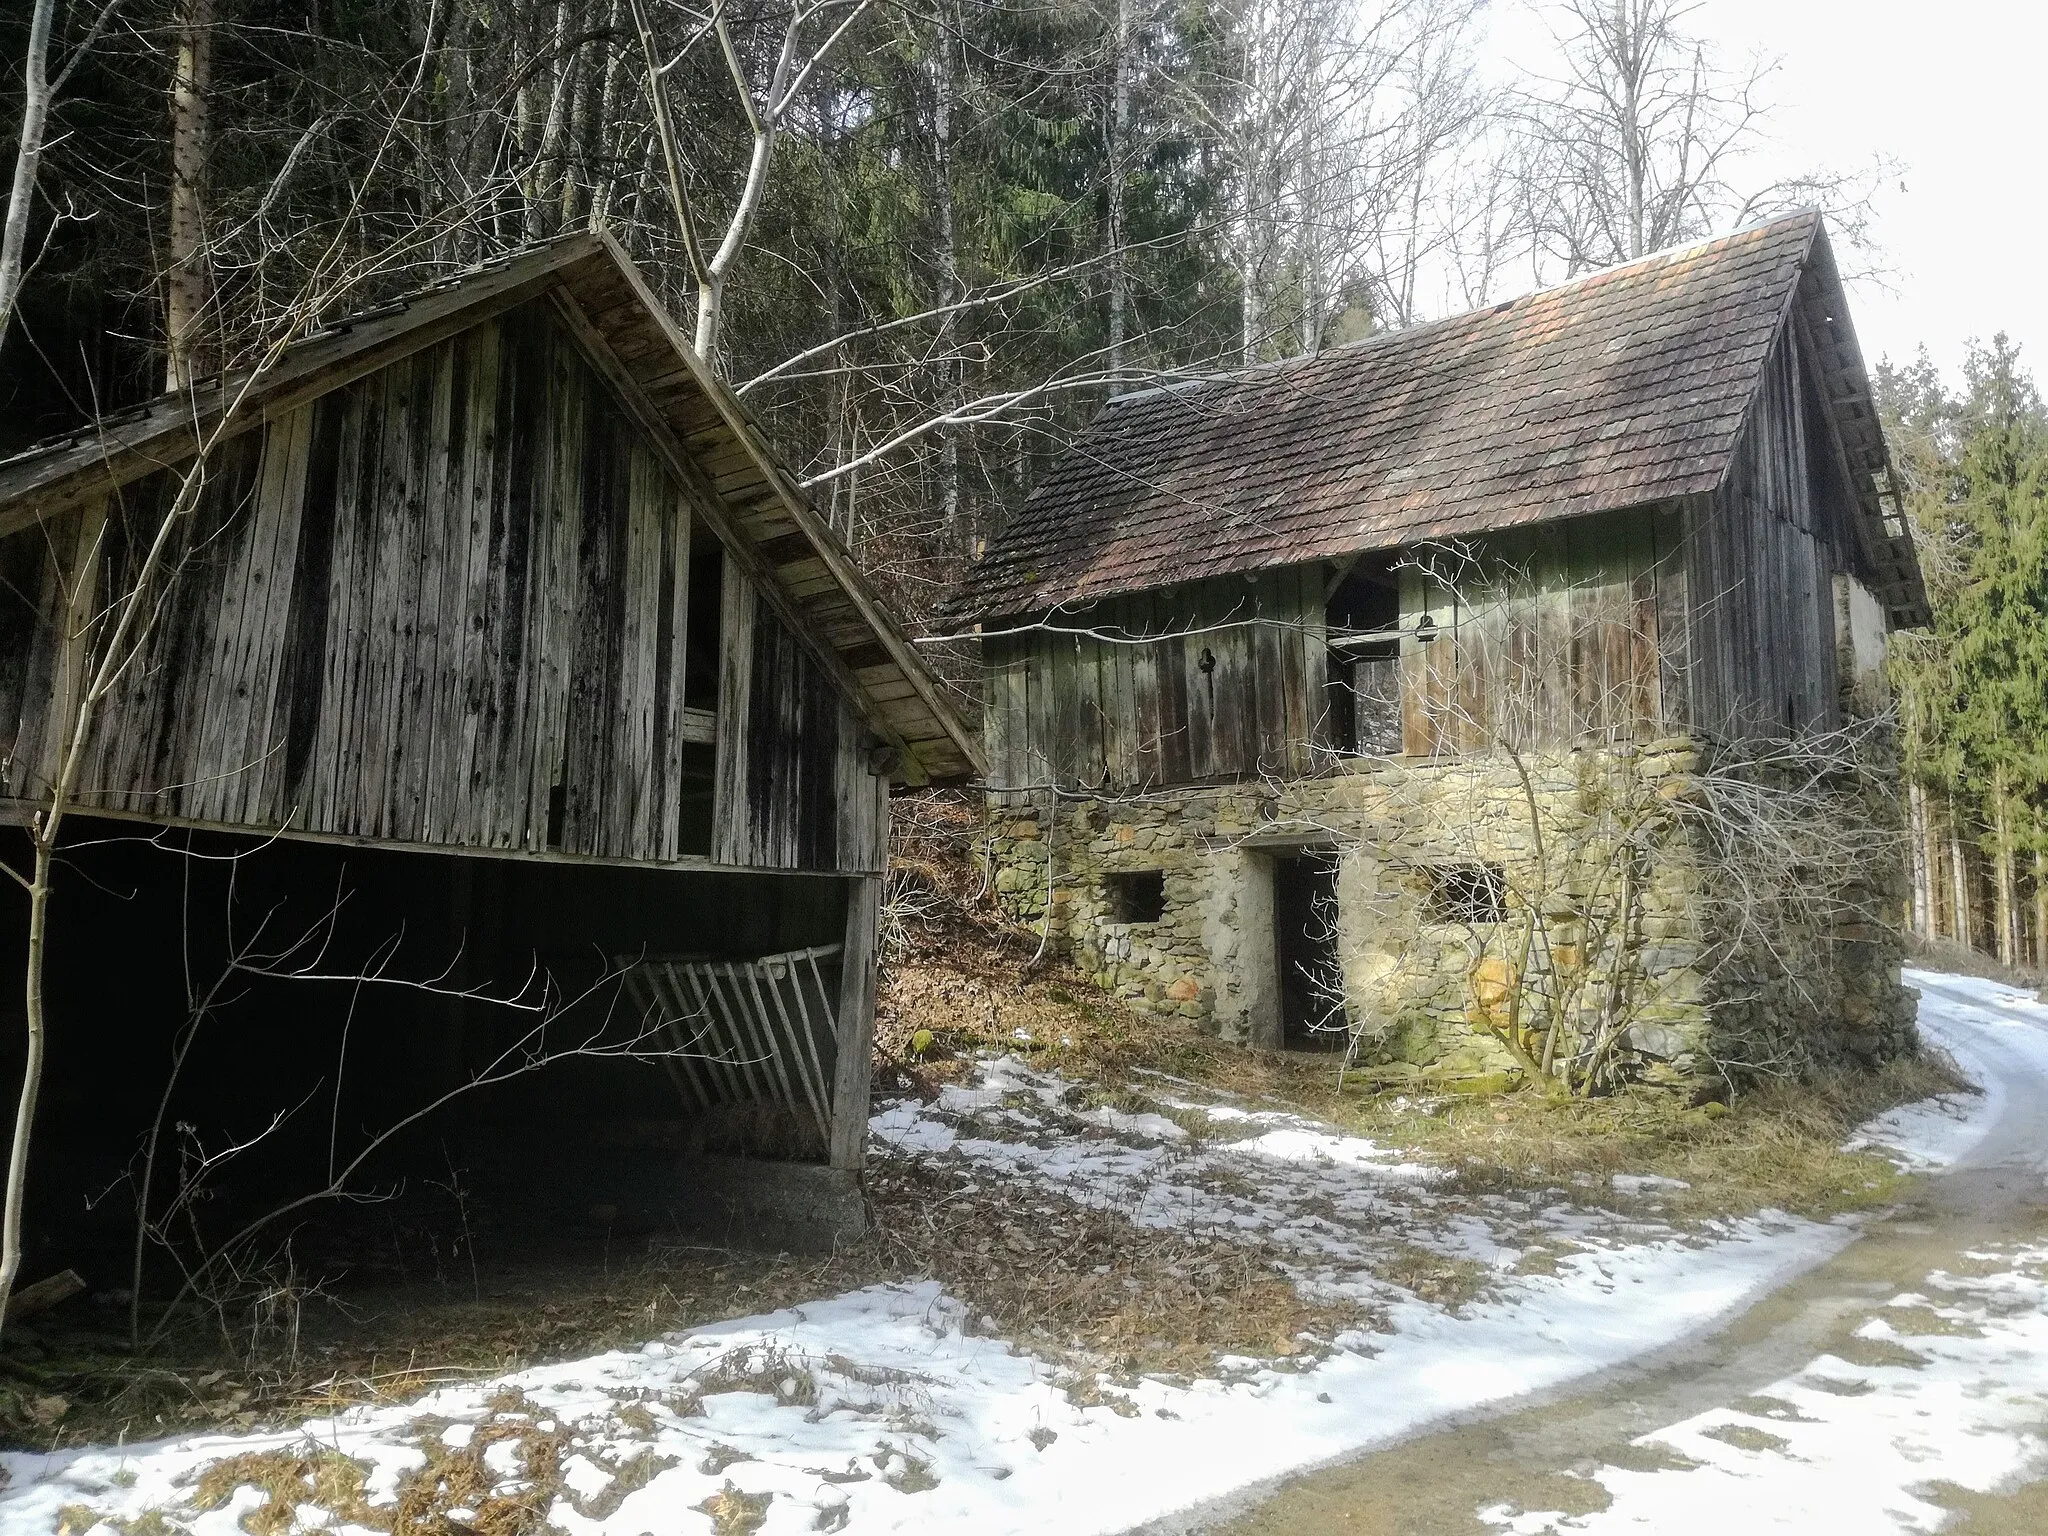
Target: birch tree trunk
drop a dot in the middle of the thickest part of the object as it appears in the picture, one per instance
(544, 181)
(944, 100)
(1922, 899)
(1119, 172)
(186, 279)
(1959, 876)
(2004, 873)
(602, 192)
(28, 159)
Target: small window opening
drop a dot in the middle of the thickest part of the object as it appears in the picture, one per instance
(703, 655)
(1136, 895)
(1467, 893)
(1364, 693)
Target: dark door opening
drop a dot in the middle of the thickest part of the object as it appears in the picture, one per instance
(1305, 941)
(1363, 621)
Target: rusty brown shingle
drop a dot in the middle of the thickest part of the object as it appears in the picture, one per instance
(1625, 387)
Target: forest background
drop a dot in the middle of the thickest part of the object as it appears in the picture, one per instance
(925, 241)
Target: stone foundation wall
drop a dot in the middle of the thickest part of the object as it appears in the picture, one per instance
(1678, 998)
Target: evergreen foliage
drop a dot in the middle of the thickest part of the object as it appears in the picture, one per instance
(1973, 691)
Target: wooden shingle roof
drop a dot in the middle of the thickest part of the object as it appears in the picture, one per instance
(695, 425)
(1625, 387)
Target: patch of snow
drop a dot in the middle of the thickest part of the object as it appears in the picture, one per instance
(1978, 1023)
(1844, 1447)
(899, 1382)
(1644, 1183)
(1157, 1127)
(880, 1411)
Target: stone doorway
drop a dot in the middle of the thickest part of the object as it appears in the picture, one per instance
(1311, 980)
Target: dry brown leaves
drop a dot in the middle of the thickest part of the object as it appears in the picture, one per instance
(1073, 1281)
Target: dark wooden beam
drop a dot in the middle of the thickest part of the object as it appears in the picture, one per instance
(856, 1024)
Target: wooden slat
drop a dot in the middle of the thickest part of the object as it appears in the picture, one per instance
(856, 1024)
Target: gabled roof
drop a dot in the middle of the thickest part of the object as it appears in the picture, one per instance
(1625, 387)
(701, 431)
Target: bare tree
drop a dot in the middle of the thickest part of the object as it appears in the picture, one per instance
(1328, 118)
(767, 89)
(1638, 143)
(38, 99)
(28, 157)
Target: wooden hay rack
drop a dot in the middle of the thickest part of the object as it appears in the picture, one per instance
(761, 1030)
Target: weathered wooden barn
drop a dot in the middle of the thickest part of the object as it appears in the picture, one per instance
(1251, 645)
(496, 598)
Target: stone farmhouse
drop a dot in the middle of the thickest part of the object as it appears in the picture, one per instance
(1403, 696)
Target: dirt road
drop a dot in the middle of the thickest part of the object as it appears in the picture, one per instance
(1902, 1386)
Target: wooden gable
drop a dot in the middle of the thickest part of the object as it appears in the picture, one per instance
(444, 598)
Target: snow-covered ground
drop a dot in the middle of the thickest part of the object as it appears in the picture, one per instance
(1951, 1381)
(887, 1410)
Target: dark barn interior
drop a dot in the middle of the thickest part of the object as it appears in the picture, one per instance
(298, 967)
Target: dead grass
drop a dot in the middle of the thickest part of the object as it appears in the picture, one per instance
(395, 1343)
(1948, 955)
(734, 1513)
(1777, 1146)
(454, 1491)
(1746, 1437)
(1088, 1285)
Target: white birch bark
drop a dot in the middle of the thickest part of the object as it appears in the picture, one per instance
(1119, 178)
(28, 160)
(187, 284)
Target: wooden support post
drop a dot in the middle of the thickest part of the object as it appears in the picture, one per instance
(856, 1024)
(78, 595)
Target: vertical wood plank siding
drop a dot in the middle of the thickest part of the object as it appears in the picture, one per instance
(1760, 558)
(1548, 636)
(442, 605)
(1594, 628)
(1215, 681)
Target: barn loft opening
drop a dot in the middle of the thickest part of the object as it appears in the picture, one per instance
(1363, 694)
(1312, 1014)
(702, 623)
(301, 1000)
(1136, 895)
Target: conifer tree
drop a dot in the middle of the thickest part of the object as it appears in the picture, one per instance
(1974, 691)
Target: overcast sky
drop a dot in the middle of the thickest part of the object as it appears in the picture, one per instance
(1957, 92)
